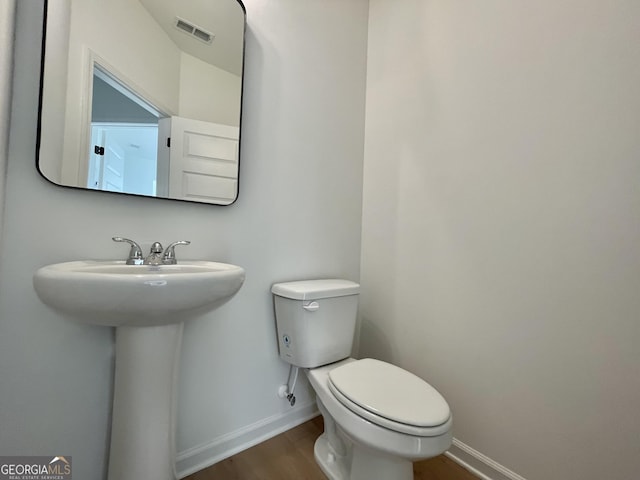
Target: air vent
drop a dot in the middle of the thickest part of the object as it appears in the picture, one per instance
(194, 31)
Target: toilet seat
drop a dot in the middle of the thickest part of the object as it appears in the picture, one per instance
(390, 397)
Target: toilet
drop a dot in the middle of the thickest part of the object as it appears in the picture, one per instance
(378, 418)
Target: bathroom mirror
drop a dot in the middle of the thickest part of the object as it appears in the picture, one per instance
(143, 97)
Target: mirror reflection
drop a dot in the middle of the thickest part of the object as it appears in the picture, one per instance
(144, 101)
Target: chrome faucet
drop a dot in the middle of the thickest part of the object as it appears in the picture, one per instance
(169, 256)
(135, 254)
(156, 255)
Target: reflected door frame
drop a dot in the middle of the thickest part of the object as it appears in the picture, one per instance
(94, 63)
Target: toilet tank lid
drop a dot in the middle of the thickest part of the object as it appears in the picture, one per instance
(314, 289)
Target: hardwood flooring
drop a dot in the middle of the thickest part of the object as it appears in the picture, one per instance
(289, 456)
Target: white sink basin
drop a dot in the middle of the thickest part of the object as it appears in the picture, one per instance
(112, 293)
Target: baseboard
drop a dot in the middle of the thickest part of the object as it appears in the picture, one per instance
(205, 455)
(479, 464)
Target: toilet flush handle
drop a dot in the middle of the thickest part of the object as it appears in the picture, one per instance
(311, 306)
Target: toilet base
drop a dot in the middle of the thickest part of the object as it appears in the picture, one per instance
(334, 466)
(363, 463)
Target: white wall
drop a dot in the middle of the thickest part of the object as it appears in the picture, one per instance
(197, 78)
(143, 52)
(298, 215)
(501, 226)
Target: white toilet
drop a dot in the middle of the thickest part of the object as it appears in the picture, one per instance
(378, 418)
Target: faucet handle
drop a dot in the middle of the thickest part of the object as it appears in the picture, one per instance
(169, 257)
(135, 254)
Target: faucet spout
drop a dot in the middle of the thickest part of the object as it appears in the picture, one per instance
(155, 255)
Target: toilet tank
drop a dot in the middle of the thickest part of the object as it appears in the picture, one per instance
(315, 320)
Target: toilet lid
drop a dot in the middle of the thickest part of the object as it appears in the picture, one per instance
(390, 392)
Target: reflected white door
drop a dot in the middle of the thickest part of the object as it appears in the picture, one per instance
(203, 160)
(123, 158)
(113, 170)
(107, 162)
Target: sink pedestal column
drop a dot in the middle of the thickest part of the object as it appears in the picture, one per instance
(144, 403)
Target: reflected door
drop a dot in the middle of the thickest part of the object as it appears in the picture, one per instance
(113, 167)
(203, 160)
(123, 158)
(106, 171)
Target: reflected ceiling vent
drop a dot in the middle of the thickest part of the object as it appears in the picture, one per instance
(194, 31)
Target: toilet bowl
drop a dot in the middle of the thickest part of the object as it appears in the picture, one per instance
(378, 418)
(377, 446)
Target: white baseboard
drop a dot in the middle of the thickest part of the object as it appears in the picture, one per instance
(479, 464)
(205, 455)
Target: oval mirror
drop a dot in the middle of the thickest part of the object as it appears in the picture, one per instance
(143, 97)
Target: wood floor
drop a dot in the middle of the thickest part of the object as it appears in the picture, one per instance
(289, 456)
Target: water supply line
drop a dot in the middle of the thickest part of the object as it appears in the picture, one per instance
(291, 385)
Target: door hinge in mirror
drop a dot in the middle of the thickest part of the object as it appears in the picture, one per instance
(98, 150)
(168, 142)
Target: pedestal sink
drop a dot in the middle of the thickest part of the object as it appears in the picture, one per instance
(148, 305)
